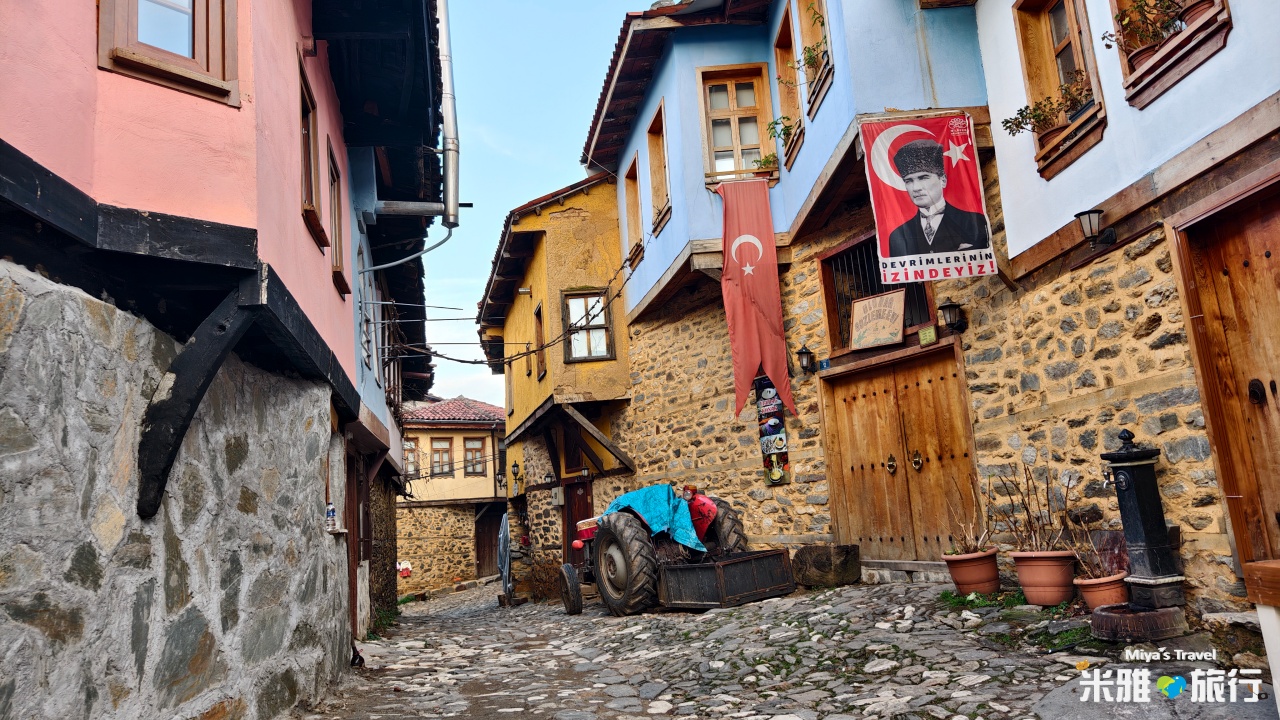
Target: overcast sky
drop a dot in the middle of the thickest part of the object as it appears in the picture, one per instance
(527, 75)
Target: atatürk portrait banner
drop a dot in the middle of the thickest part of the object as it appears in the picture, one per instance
(926, 193)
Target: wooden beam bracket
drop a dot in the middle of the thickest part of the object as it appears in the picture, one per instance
(594, 432)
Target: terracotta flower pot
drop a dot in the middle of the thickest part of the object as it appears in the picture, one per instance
(1194, 10)
(1046, 577)
(1142, 55)
(1049, 137)
(1110, 590)
(974, 572)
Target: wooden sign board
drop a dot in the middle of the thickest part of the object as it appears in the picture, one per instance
(877, 320)
(928, 335)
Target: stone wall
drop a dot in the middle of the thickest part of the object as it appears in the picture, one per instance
(232, 601)
(1058, 368)
(440, 543)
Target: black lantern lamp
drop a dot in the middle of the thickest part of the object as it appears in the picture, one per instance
(952, 315)
(548, 479)
(805, 356)
(1091, 226)
(515, 469)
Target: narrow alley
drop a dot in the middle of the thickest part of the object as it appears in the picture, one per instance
(888, 651)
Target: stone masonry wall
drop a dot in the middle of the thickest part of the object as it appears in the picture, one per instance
(440, 543)
(231, 602)
(680, 426)
(1057, 369)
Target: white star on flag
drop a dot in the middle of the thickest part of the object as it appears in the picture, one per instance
(957, 153)
(748, 269)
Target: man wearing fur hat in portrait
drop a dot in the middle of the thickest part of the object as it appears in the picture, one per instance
(937, 227)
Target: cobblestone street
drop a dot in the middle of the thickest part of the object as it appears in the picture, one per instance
(887, 651)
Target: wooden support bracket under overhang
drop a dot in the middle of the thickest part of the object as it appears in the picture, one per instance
(708, 259)
(600, 437)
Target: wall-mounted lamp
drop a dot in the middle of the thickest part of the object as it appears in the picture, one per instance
(524, 291)
(1090, 224)
(805, 357)
(515, 469)
(951, 313)
(548, 479)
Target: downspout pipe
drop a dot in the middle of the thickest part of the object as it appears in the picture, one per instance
(449, 109)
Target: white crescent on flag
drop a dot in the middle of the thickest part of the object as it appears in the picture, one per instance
(747, 268)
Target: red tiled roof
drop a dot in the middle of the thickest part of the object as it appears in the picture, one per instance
(456, 410)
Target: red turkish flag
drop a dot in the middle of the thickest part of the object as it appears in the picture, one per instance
(752, 301)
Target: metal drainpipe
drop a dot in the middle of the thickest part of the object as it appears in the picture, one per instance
(448, 108)
(449, 138)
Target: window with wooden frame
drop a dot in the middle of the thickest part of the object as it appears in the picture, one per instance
(735, 111)
(310, 163)
(851, 271)
(814, 54)
(631, 191)
(540, 354)
(784, 60)
(658, 195)
(187, 45)
(587, 323)
(473, 461)
(410, 457)
(1060, 70)
(336, 249)
(511, 393)
(441, 457)
(1191, 35)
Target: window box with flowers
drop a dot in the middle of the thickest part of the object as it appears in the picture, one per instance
(1162, 41)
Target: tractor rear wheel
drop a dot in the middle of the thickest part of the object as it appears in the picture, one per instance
(730, 536)
(570, 590)
(626, 566)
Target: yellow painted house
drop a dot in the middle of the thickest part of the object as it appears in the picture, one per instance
(550, 323)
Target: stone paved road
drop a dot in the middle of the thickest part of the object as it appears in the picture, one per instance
(886, 651)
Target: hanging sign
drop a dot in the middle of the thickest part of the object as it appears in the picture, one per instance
(877, 320)
(926, 196)
(773, 432)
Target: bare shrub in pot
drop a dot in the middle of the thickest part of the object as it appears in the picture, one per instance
(1044, 563)
(971, 559)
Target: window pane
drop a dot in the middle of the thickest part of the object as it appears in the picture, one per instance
(746, 94)
(1058, 26)
(440, 444)
(577, 307)
(1066, 65)
(166, 24)
(599, 343)
(749, 156)
(724, 160)
(748, 131)
(721, 133)
(718, 97)
(578, 344)
(595, 311)
(476, 444)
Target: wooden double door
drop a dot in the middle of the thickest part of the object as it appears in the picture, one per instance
(898, 457)
(1233, 294)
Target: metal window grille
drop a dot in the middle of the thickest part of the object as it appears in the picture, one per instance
(855, 273)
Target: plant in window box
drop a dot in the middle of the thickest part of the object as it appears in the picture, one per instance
(1143, 25)
(766, 165)
(1077, 95)
(1043, 117)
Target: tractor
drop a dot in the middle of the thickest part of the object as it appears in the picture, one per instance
(626, 549)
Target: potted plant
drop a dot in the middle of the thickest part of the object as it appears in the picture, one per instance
(1045, 566)
(1076, 94)
(766, 165)
(1143, 25)
(1194, 10)
(1043, 117)
(971, 560)
(1104, 564)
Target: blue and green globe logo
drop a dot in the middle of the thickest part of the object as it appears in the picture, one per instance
(1171, 687)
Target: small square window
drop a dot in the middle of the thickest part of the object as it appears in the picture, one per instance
(187, 45)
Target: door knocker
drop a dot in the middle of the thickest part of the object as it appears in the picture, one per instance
(917, 462)
(892, 464)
